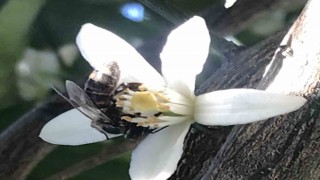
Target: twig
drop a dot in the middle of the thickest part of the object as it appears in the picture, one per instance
(219, 45)
(164, 9)
(239, 16)
(21, 147)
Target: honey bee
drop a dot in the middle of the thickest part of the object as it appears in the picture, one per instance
(97, 103)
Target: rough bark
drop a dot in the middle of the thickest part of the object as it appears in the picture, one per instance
(201, 146)
(285, 147)
(221, 20)
(21, 148)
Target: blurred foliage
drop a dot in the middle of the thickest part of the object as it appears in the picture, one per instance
(13, 34)
(49, 25)
(57, 24)
(115, 170)
(57, 161)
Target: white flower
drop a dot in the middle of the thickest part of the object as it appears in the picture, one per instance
(37, 72)
(163, 101)
(68, 53)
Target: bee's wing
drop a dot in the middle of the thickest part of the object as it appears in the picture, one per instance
(80, 100)
(72, 128)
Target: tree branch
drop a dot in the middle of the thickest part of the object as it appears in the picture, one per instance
(242, 70)
(21, 147)
(238, 17)
(164, 9)
(285, 147)
(167, 11)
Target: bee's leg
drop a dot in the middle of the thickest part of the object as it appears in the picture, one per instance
(209, 130)
(107, 136)
(157, 130)
(100, 130)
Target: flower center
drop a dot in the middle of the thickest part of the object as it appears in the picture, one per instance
(146, 101)
(153, 108)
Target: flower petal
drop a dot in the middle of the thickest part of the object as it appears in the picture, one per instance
(100, 47)
(71, 128)
(184, 54)
(157, 156)
(240, 106)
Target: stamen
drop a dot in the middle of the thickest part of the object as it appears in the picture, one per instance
(162, 97)
(175, 97)
(119, 103)
(142, 88)
(180, 109)
(129, 91)
(128, 110)
(149, 121)
(154, 108)
(163, 107)
(127, 97)
(175, 119)
(168, 123)
(127, 103)
(127, 118)
(139, 120)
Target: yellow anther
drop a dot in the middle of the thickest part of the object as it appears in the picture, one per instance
(142, 88)
(140, 124)
(126, 118)
(162, 97)
(119, 103)
(152, 120)
(163, 107)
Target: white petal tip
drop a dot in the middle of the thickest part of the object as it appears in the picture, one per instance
(71, 128)
(157, 156)
(298, 101)
(288, 103)
(50, 134)
(184, 54)
(241, 106)
(197, 19)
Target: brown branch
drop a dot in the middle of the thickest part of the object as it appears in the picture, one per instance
(286, 147)
(166, 10)
(243, 13)
(169, 12)
(21, 148)
(242, 70)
